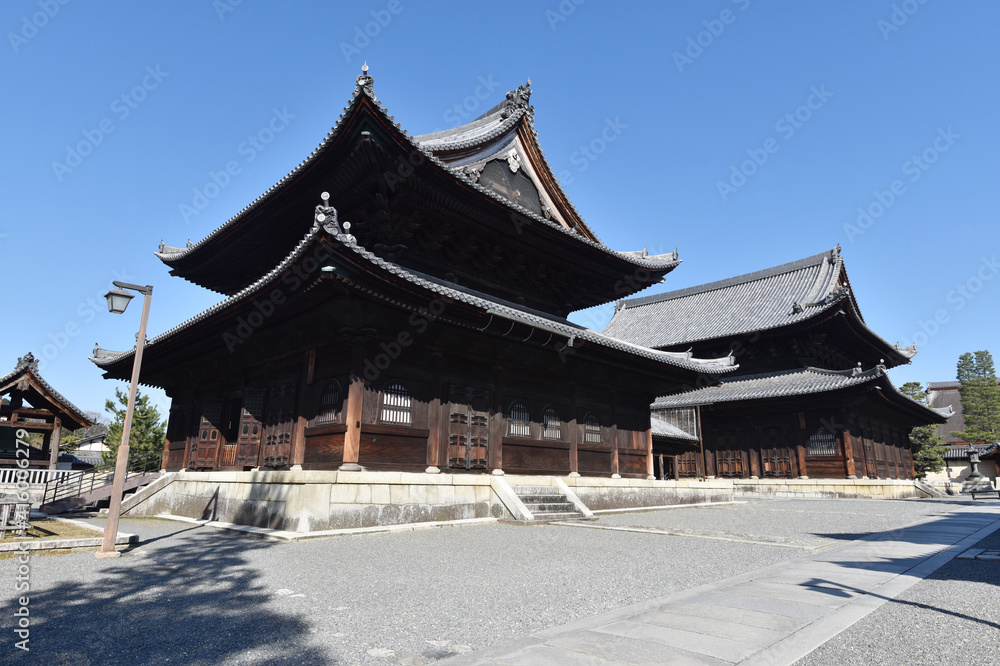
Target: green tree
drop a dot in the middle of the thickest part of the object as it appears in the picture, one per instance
(980, 393)
(148, 430)
(928, 447)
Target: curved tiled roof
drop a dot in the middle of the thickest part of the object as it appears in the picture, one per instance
(662, 428)
(29, 365)
(786, 383)
(962, 452)
(170, 254)
(750, 303)
(495, 307)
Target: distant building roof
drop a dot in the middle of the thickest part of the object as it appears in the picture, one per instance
(961, 452)
(797, 382)
(27, 366)
(768, 299)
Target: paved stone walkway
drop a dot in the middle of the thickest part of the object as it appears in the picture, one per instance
(775, 615)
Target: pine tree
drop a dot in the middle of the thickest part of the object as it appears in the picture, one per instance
(928, 447)
(148, 431)
(980, 392)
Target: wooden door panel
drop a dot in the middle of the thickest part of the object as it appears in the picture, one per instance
(469, 427)
(251, 429)
(206, 448)
(278, 425)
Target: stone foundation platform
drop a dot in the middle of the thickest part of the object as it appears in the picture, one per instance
(309, 501)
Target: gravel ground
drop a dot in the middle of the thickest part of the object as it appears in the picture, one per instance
(951, 617)
(196, 595)
(805, 522)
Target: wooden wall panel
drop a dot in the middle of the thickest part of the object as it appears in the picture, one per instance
(324, 449)
(526, 459)
(391, 450)
(593, 462)
(632, 464)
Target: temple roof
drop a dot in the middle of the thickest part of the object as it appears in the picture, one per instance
(798, 382)
(962, 452)
(667, 430)
(764, 300)
(327, 230)
(505, 133)
(26, 369)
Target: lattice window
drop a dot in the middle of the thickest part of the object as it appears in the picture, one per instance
(329, 404)
(684, 418)
(822, 443)
(520, 421)
(552, 426)
(395, 405)
(591, 429)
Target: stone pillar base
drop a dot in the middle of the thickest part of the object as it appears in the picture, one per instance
(616, 476)
(498, 472)
(348, 467)
(432, 470)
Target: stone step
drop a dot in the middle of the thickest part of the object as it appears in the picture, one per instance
(559, 516)
(542, 499)
(555, 507)
(535, 490)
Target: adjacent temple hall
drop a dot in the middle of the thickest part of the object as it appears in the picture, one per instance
(399, 303)
(810, 398)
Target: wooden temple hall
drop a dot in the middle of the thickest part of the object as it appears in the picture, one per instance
(810, 398)
(399, 303)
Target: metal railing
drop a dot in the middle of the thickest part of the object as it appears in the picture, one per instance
(82, 482)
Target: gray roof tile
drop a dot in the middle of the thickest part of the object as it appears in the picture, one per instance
(785, 383)
(741, 305)
(104, 358)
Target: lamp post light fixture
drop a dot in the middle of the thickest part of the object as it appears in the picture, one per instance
(118, 300)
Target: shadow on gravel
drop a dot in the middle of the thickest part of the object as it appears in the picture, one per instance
(195, 600)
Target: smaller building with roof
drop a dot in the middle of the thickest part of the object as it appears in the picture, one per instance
(811, 397)
(32, 405)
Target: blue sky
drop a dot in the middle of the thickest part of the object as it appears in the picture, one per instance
(746, 133)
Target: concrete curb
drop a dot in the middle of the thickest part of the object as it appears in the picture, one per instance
(694, 505)
(60, 544)
(285, 535)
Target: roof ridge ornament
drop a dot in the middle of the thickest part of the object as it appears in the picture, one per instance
(518, 99)
(366, 82)
(326, 215)
(28, 361)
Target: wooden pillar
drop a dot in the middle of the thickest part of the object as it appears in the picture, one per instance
(355, 396)
(845, 435)
(677, 468)
(701, 441)
(496, 423)
(434, 417)
(574, 433)
(801, 446)
(649, 453)
(299, 434)
(54, 443)
(613, 434)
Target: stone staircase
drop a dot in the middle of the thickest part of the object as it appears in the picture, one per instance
(929, 489)
(547, 503)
